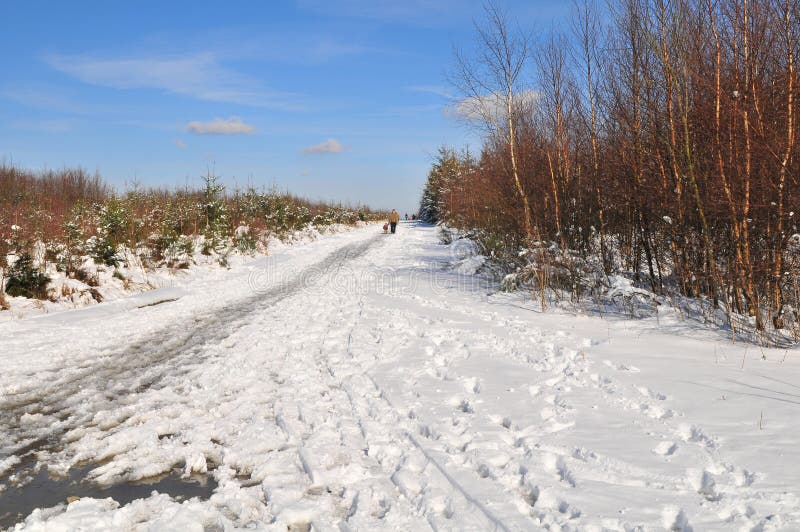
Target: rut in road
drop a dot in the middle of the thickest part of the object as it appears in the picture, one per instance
(72, 401)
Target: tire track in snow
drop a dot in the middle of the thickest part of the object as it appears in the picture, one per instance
(38, 419)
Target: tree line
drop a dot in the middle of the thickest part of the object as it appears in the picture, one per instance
(653, 137)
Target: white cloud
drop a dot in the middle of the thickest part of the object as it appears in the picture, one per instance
(432, 89)
(478, 108)
(179, 143)
(329, 146)
(221, 126)
(199, 76)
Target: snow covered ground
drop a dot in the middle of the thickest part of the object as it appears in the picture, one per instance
(365, 382)
(111, 283)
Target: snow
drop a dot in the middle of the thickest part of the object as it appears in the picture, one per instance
(364, 381)
(131, 277)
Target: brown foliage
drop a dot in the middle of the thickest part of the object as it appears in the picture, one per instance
(671, 137)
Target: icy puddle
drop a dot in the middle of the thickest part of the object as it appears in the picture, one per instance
(45, 491)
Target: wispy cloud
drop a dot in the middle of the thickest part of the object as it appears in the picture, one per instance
(47, 126)
(432, 89)
(325, 50)
(49, 98)
(479, 108)
(329, 146)
(221, 126)
(182, 145)
(199, 76)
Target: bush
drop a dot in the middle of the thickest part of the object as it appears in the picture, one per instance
(181, 252)
(25, 280)
(81, 274)
(102, 251)
(245, 240)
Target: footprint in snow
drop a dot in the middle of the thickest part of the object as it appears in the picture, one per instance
(654, 411)
(472, 385)
(557, 465)
(674, 518)
(666, 448)
(703, 483)
(461, 404)
(691, 433)
(647, 392)
(547, 499)
(621, 367)
(504, 421)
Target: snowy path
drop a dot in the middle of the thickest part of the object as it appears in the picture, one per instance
(357, 383)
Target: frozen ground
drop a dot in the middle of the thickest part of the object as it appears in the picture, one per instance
(365, 382)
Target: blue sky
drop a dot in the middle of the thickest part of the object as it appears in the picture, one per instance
(330, 100)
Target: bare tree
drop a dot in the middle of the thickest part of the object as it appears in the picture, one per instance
(491, 86)
(588, 58)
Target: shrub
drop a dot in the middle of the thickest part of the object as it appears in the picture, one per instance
(25, 280)
(180, 253)
(102, 251)
(245, 240)
(81, 274)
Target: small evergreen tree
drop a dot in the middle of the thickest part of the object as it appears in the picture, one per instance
(74, 239)
(112, 223)
(25, 280)
(215, 214)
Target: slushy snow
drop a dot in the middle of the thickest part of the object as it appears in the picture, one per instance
(372, 382)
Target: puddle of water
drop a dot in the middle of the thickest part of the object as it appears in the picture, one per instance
(44, 491)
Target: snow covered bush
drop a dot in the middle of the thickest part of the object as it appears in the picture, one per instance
(180, 252)
(548, 267)
(245, 240)
(25, 279)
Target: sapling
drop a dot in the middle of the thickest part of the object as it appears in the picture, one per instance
(25, 279)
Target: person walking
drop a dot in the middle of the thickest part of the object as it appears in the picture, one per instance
(394, 218)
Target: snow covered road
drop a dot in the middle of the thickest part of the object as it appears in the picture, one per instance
(361, 382)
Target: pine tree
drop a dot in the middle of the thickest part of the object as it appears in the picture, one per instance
(215, 214)
(444, 172)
